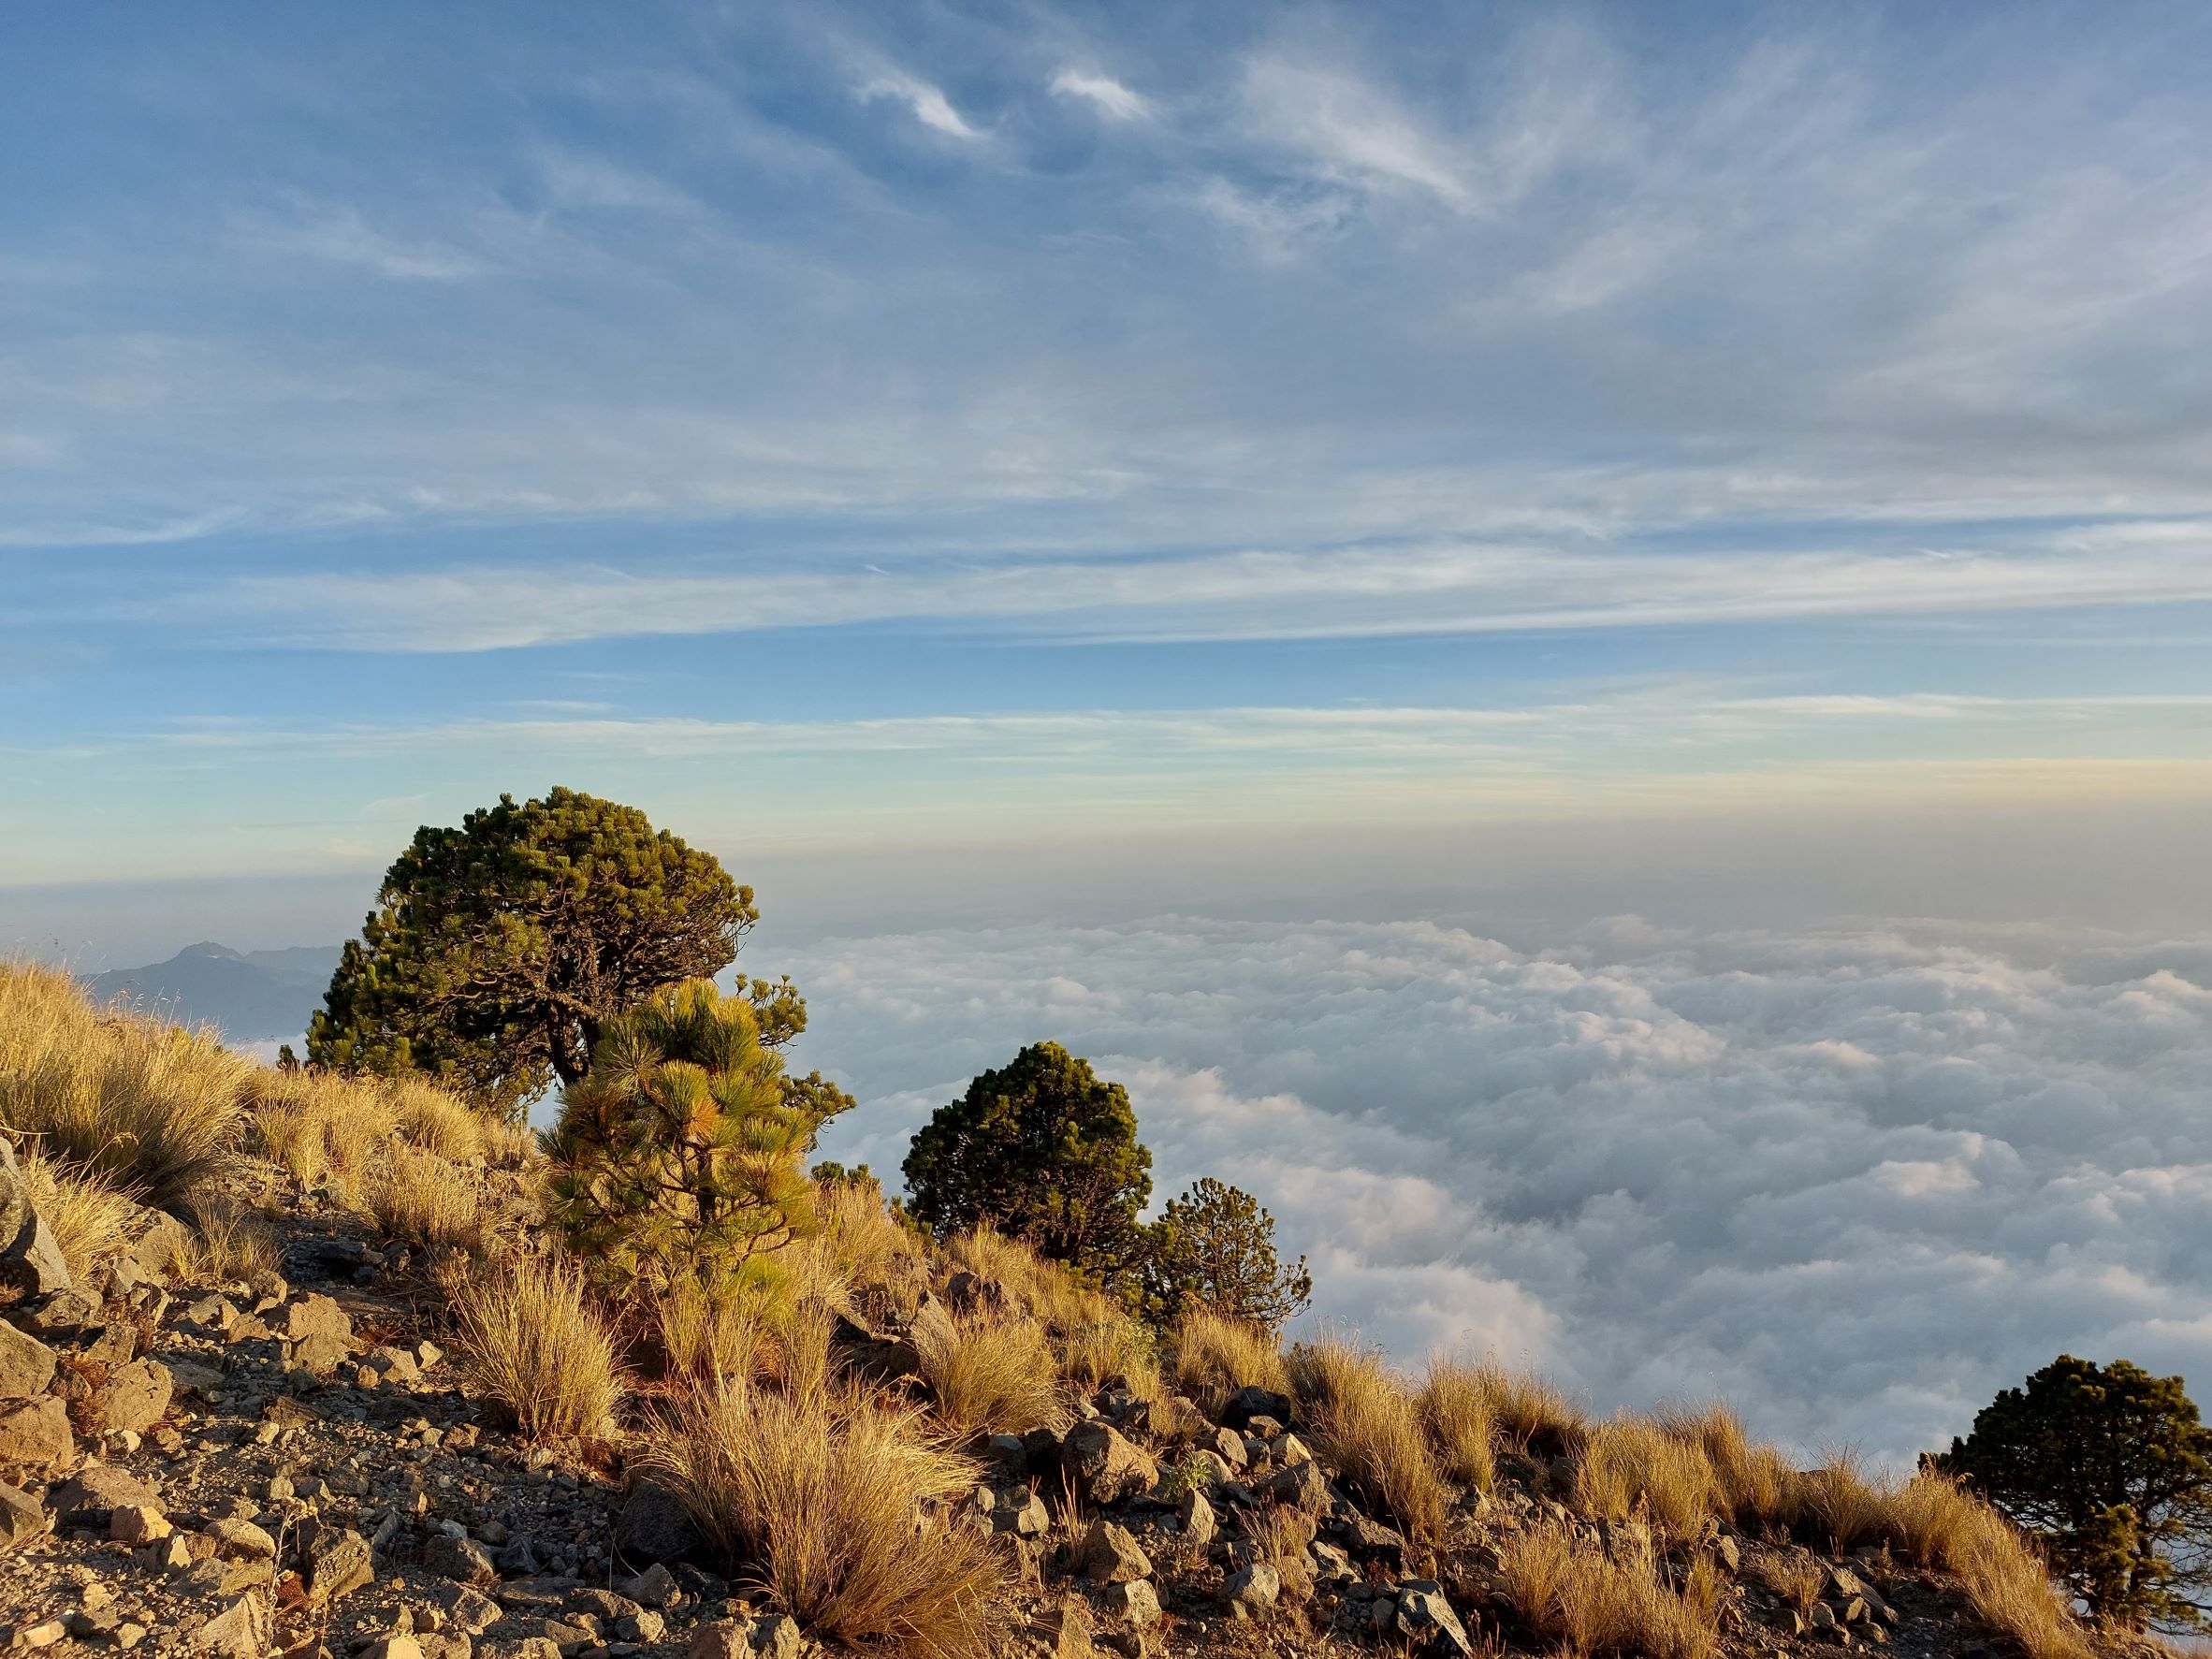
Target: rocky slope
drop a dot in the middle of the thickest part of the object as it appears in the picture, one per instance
(294, 1464)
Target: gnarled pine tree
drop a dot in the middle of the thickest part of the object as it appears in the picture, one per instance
(499, 950)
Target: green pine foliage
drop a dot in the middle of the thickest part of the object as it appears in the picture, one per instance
(500, 950)
(2110, 1468)
(1215, 1248)
(679, 1155)
(1044, 1150)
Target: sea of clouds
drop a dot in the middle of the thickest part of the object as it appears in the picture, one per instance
(1854, 1178)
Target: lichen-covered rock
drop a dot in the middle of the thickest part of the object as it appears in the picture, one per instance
(242, 1630)
(136, 1397)
(1252, 1590)
(26, 1364)
(1110, 1555)
(1103, 1466)
(23, 1517)
(35, 1434)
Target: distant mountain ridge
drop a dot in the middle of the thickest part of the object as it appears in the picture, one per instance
(251, 996)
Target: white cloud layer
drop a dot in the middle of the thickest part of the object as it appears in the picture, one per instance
(1855, 1179)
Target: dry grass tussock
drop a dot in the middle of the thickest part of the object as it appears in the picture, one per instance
(827, 1497)
(89, 1218)
(992, 1377)
(147, 1106)
(1215, 1355)
(322, 1127)
(711, 1341)
(1754, 1483)
(1532, 1417)
(421, 1200)
(228, 1242)
(1367, 1422)
(1114, 1348)
(1597, 1605)
(1631, 1468)
(318, 1127)
(1456, 1410)
(1793, 1576)
(1929, 1520)
(1042, 1288)
(532, 1343)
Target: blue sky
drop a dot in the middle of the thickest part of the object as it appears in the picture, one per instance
(858, 434)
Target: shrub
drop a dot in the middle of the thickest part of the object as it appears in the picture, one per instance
(677, 1154)
(1214, 1357)
(89, 1218)
(531, 1344)
(1365, 1419)
(825, 1497)
(1046, 1152)
(1631, 1467)
(1457, 1411)
(988, 1377)
(146, 1106)
(2110, 1468)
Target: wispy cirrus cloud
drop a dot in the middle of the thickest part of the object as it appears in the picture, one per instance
(1108, 97)
(1342, 593)
(927, 103)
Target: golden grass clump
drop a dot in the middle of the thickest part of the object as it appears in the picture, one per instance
(319, 1126)
(146, 1106)
(1599, 1605)
(531, 1342)
(1838, 1508)
(1532, 1417)
(91, 1219)
(990, 1377)
(1463, 1426)
(436, 1121)
(1631, 1468)
(1109, 1349)
(709, 1341)
(1792, 1575)
(881, 1261)
(228, 1241)
(1932, 1521)
(1366, 1421)
(1045, 1289)
(829, 1498)
(1755, 1484)
(421, 1200)
(1214, 1355)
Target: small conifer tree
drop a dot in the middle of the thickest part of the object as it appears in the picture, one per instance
(1215, 1248)
(1045, 1151)
(680, 1153)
